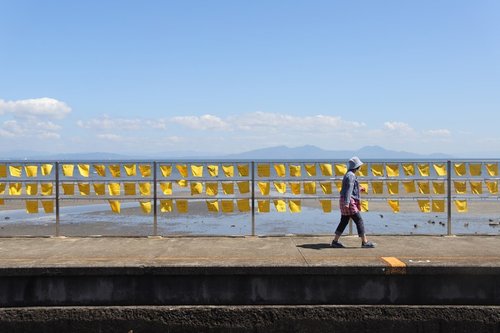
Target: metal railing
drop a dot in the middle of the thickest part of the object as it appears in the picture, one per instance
(162, 183)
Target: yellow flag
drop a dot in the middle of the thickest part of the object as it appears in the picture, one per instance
(394, 205)
(440, 169)
(31, 170)
(460, 187)
(213, 170)
(68, 188)
(243, 170)
(264, 187)
(99, 188)
(492, 186)
(263, 206)
(280, 170)
(423, 169)
(409, 169)
(461, 206)
(48, 206)
(243, 187)
(183, 170)
(228, 187)
(84, 169)
(364, 185)
(309, 187)
(377, 187)
(182, 206)
(295, 171)
(475, 169)
(326, 187)
(100, 169)
(130, 169)
(364, 205)
(68, 170)
(129, 188)
(32, 206)
(84, 188)
(280, 205)
(227, 206)
(476, 187)
(166, 188)
(114, 188)
(424, 205)
(115, 206)
(409, 186)
(166, 170)
(115, 170)
(15, 170)
(363, 170)
(392, 169)
(263, 170)
(166, 206)
(145, 188)
(423, 187)
(196, 188)
(340, 169)
(228, 170)
(47, 188)
(294, 206)
(212, 188)
(311, 169)
(438, 206)
(438, 187)
(213, 206)
(31, 188)
(326, 169)
(3, 171)
(295, 188)
(243, 205)
(459, 169)
(280, 187)
(492, 169)
(197, 170)
(145, 206)
(377, 169)
(326, 205)
(338, 185)
(393, 187)
(182, 182)
(2, 188)
(2, 202)
(145, 170)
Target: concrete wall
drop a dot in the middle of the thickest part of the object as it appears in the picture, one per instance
(256, 319)
(248, 285)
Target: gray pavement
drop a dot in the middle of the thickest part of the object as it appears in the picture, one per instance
(392, 251)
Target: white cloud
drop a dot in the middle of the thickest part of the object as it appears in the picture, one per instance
(203, 122)
(110, 137)
(442, 133)
(106, 123)
(37, 107)
(400, 127)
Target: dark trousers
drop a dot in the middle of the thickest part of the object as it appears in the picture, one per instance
(344, 219)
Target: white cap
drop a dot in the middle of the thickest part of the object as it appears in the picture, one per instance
(354, 163)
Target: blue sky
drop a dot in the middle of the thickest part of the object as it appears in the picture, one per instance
(231, 76)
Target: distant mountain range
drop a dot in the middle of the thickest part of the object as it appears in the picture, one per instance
(277, 152)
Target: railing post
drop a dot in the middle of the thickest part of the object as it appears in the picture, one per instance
(253, 198)
(57, 198)
(449, 197)
(155, 197)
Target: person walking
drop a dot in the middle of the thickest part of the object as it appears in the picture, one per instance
(350, 205)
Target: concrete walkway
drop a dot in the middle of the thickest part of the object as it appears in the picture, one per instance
(392, 251)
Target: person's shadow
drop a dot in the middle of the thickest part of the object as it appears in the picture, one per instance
(321, 246)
